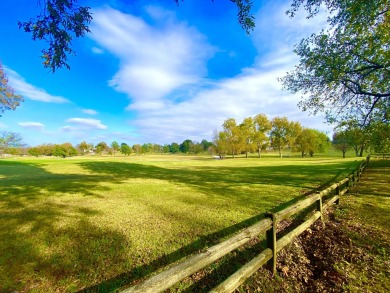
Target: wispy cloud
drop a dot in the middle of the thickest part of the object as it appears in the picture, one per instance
(30, 91)
(155, 60)
(32, 125)
(163, 72)
(86, 123)
(255, 90)
(89, 111)
(97, 50)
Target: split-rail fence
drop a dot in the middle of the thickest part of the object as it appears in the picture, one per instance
(268, 225)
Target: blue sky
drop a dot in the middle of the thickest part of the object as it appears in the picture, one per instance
(152, 71)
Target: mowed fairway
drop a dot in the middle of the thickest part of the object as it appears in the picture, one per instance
(70, 224)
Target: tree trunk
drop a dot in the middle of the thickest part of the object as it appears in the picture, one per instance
(343, 154)
(303, 154)
(259, 152)
(361, 151)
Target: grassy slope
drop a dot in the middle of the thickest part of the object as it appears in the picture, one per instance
(66, 224)
(350, 255)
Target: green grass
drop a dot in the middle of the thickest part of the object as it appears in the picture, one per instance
(102, 222)
(366, 217)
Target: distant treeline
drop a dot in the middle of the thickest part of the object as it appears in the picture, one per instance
(253, 135)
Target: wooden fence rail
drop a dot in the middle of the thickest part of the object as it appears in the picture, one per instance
(191, 265)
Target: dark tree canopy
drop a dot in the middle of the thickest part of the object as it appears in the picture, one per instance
(345, 71)
(60, 21)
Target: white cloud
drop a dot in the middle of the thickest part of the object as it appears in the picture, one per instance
(89, 111)
(97, 50)
(256, 90)
(2, 125)
(277, 31)
(163, 72)
(86, 123)
(155, 60)
(32, 125)
(30, 91)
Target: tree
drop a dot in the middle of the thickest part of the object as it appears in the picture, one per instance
(8, 140)
(83, 147)
(8, 99)
(344, 71)
(358, 138)
(101, 147)
(35, 151)
(137, 148)
(233, 136)
(206, 144)
(186, 145)
(220, 144)
(340, 142)
(311, 141)
(174, 148)
(380, 138)
(247, 129)
(60, 21)
(146, 148)
(283, 133)
(262, 127)
(166, 149)
(64, 150)
(115, 146)
(125, 149)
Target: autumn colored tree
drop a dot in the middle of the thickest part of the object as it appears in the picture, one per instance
(233, 136)
(9, 100)
(247, 129)
(311, 141)
(101, 147)
(262, 127)
(83, 147)
(220, 142)
(283, 133)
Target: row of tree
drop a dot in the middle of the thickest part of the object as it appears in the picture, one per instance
(374, 137)
(83, 148)
(258, 133)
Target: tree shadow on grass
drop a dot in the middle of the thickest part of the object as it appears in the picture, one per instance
(245, 186)
(45, 243)
(79, 251)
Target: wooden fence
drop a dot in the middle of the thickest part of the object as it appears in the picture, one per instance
(268, 225)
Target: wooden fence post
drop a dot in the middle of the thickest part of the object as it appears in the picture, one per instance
(320, 209)
(271, 242)
(338, 193)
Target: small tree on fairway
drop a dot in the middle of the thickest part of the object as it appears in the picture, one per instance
(340, 142)
(125, 149)
(115, 147)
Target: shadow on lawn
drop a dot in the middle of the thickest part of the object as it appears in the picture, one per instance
(44, 242)
(77, 249)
